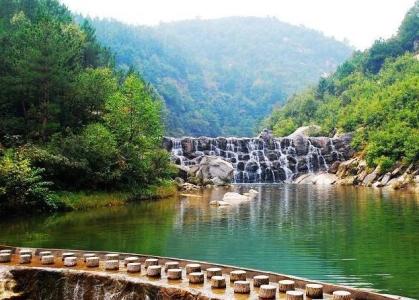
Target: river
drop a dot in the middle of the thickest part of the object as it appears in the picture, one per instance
(354, 236)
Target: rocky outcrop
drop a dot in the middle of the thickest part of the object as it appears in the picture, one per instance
(356, 172)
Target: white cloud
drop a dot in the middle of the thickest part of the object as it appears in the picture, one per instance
(360, 21)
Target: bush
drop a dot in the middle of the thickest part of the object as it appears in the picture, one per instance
(22, 187)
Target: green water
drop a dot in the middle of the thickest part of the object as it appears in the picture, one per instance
(353, 236)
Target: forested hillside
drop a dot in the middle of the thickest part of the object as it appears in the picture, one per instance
(219, 77)
(374, 94)
(68, 119)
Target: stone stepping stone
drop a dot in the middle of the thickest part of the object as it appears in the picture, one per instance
(25, 259)
(196, 277)
(213, 272)
(174, 274)
(341, 295)
(242, 287)
(267, 291)
(131, 259)
(154, 271)
(171, 265)
(259, 280)
(25, 252)
(5, 257)
(294, 295)
(47, 259)
(86, 255)
(237, 275)
(111, 265)
(112, 256)
(218, 282)
(43, 253)
(151, 262)
(193, 268)
(67, 254)
(92, 262)
(314, 290)
(7, 251)
(70, 261)
(134, 267)
(286, 285)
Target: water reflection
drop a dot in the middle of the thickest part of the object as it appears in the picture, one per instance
(354, 236)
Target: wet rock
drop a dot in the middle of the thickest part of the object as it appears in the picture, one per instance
(215, 169)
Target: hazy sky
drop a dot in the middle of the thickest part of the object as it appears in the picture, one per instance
(360, 21)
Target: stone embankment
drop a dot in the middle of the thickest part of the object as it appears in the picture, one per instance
(69, 274)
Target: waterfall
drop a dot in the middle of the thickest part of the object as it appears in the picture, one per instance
(262, 159)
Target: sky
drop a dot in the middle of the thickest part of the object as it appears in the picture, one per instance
(359, 21)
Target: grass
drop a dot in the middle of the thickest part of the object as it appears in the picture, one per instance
(85, 200)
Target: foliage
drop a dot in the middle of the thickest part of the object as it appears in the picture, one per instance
(219, 77)
(22, 188)
(374, 94)
(70, 116)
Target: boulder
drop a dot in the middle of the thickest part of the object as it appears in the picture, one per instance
(311, 130)
(211, 169)
(317, 178)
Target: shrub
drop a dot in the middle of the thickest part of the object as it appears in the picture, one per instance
(22, 187)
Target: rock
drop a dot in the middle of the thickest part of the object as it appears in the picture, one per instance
(369, 179)
(311, 130)
(334, 167)
(317, 178)
(219, 203)
(213, 169)
(182, 172)
(234, 198)
(350, 180)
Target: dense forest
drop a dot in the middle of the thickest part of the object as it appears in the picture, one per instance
(69, 119)
(220, 77)
(374, 94)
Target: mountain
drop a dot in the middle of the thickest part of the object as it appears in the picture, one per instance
(374, 94)
(220, 77)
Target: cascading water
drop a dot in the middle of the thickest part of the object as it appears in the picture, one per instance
(263, 159)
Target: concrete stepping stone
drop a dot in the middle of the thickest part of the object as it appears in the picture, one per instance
(174, 274)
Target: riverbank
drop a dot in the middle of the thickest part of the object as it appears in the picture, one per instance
(85, 200)
(355, 172)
